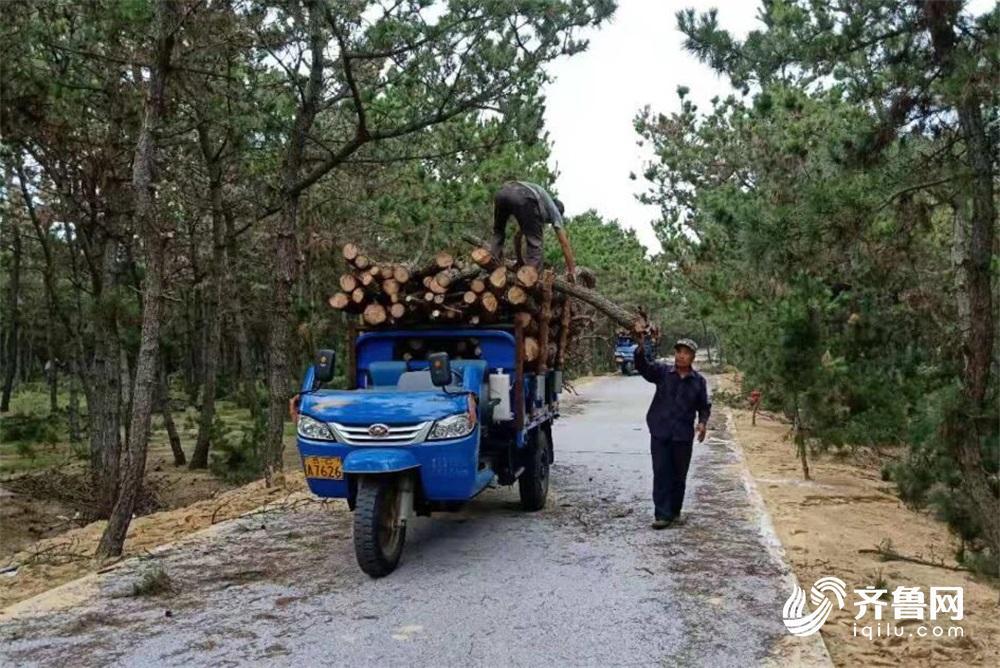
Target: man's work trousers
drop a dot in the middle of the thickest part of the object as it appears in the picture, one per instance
(671, 460)
(518, 201)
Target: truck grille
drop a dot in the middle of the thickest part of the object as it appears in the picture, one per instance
(391, 435)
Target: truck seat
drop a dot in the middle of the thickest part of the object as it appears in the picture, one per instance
(418, 381)
(386, 374)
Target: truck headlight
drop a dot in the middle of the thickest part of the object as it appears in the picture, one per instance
(453, 426)
(619, 359)
(314, 429)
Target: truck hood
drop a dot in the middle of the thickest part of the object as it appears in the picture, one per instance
(364, 407)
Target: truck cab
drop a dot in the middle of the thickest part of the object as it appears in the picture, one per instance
(429, 420)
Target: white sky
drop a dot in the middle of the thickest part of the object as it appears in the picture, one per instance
(635, 60)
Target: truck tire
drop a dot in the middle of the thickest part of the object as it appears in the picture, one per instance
(534, 481)
(378, 543)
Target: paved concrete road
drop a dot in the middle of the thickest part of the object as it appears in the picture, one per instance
(582, 583)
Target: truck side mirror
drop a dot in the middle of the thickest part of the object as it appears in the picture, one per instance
(440, 367)
(323, 369)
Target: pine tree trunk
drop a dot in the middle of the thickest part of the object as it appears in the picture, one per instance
(13, 298)
(163, 399)
(73, 409)
(156, 233)
(104, 389)
(285, 254)
(213, 343)
(965, 429)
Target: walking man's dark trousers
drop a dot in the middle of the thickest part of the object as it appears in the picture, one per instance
(671, 419)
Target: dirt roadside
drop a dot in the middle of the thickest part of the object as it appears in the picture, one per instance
(846, 507)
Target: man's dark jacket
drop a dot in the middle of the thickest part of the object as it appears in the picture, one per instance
(677, 400)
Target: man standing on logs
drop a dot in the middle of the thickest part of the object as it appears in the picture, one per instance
(533, 207)
(681, 392)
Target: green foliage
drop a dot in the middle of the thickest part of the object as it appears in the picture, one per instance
(153, 582)
(236, 451)
(813, 221)
(28, 428)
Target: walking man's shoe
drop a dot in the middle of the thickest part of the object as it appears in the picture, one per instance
(660, 523)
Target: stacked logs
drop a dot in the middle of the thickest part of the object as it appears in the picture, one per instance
(481, 291)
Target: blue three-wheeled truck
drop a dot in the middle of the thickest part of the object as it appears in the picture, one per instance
(431, 417)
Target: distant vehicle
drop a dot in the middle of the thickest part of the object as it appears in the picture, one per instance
(431, 419)
(625, 347)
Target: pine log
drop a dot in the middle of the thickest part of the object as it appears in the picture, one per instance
(489, 303)
(375, 314)
(366, 279)
(527, 276)
(484, 258)
(498, 279)
(544, 320)
(339, 301)
(401, 273)
(623, 317)
(478, 285)
(567, 314)
(517, 295)
(362, 262)
(470, 297)
(351, 251)
(391, 287)
(530, 349)
(358, 296)
(348, 282)
(397, 311)
(444, 260)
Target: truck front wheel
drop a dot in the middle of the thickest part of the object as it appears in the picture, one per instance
(534, 481)
(378, 533)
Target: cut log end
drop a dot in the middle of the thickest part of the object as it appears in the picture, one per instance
(498, 278)
(489, 303)
(351, 251)
(517, 295)
(339, 301)
(375, 314)
(527, 276)
(531, 349)
(444, 260)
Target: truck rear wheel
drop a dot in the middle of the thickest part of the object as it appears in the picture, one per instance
(534, 481)
(378, 535)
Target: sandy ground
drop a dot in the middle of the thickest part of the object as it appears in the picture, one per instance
(846, 507)
(202, 500)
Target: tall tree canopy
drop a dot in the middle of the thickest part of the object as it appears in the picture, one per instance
(839, 217)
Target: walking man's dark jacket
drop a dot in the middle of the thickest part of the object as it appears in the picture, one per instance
(671, 416)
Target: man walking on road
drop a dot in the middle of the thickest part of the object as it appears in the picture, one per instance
(533, 207)
(681, 392)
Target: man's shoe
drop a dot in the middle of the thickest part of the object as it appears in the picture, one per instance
(660, 523)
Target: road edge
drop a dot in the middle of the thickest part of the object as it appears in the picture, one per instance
(808, 651)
